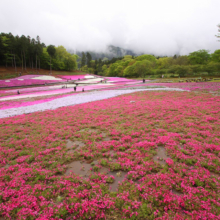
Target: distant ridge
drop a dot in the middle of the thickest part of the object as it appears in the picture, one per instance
(110, 52)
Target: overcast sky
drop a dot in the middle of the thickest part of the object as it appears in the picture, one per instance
(160, 27)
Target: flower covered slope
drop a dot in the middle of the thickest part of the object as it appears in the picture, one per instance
(28, 80)
(146, 155)
(34, 95)
(75, 77)
(201, 86)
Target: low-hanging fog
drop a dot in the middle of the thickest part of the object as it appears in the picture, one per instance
(156, 27)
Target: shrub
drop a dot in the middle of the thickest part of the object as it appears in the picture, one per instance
(115, 166)
(95, 168)
(104, 162)
(196, 68)
(161, 71)
(110, 180)
(183, 71)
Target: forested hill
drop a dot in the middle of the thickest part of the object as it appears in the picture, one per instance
(30, 52)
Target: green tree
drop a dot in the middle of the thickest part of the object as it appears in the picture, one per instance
(212, 68)
(31, 52)
(83, 61)
(173, 69)
(51, 51)
(129, 71)
(181, 60)
(70, 61)
(196, 68)
(45, 59)
(95, 67)
(148, 57)
(23, 46)
(216, 56)
(85, 69)
(164, 62)
(113, 69)
(127, 57)
(99, 66)
(161, 72)
(199, 57)
(104, 69)
(88, 59)
(1, 50)
(5, 41)
(183, 70)
(143, 67)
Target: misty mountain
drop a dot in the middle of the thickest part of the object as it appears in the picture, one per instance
(110, 52)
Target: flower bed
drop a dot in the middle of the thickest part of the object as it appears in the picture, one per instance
(30, 101)
(29, 80)
(44, 91)
(209, 86)
(72, 77)
(162, 146)
(121, 80)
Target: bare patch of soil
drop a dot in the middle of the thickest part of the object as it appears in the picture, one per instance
(73, 145)
(78, 168)
(119, 177)
(176, 192)
(161, 156)
(6, 166)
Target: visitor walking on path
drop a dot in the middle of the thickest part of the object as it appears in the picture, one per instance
(74, 88)
(18, 92)
(143, 80)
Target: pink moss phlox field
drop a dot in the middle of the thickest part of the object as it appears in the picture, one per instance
(166, 144)
(23, 102)
(119, 80)
(58, 93)
(209, 86)
(26, 81)
(73, 77)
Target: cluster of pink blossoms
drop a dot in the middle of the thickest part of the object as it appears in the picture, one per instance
(163, 148)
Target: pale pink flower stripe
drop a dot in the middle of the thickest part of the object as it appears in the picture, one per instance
(21, 103)
(12, 104)
(210, 86)
(27, 80)
(73, 77)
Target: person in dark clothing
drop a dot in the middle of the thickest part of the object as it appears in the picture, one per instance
(74, 88)
(143, 80)
(18, 92)
(83, 89)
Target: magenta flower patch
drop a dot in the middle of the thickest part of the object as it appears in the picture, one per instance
(156, 157)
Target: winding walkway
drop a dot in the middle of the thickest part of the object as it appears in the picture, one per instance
(74, 100)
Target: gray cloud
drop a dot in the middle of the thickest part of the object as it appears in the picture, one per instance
(157, 27)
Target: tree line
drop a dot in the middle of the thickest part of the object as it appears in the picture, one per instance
(29, 52)
(196, 63)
